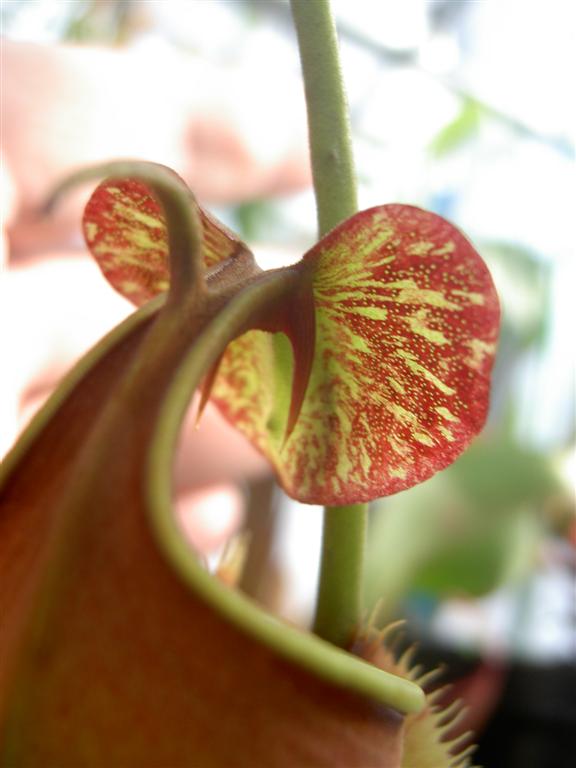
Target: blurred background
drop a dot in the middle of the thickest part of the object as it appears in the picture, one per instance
(462, 107)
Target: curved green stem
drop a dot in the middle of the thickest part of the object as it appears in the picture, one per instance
(338, 608)
(325, 661)
(187, 272)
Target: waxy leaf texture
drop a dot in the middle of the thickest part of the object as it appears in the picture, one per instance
(406, 324)
(112, 651)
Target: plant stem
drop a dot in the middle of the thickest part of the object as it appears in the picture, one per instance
(258, 579)
(339, 601)
(328, 119)
(339, 606)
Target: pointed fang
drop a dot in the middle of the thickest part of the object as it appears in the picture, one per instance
(206, 389)
(301, 330)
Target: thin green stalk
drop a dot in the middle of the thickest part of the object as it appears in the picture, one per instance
(339, 601)
(338, 607)
(328, 116)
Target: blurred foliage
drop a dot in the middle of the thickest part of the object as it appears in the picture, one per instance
(100, 22)
(465, 531)
(255, 218)
(460, 130)
(465, 126)
(109, 22)
(524, 281)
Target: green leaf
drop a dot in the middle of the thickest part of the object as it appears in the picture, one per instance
(463, 532)
(464, 126)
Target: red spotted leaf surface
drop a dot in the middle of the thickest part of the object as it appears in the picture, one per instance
(125, 230)
(406, 323)
(406, 327)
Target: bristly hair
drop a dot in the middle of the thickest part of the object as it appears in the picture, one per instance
(432, 738)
